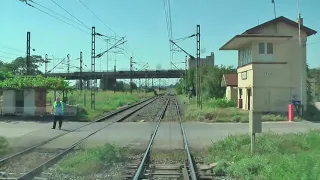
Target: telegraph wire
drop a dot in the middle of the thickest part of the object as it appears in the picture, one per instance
(9, 53)
(7, 57)
(116, 35)
(11, 48)
(97, 17)
(59, 14)
(58, 18)
(70, 14)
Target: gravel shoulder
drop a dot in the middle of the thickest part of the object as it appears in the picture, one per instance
(148, 113)
(114, 170)
(25, 163)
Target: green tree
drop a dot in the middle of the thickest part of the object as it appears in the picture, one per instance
(19, 66)
(179, 87)
(211, 81)
(120, 86)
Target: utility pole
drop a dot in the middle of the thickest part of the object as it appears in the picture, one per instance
(46, 64)
(80, 74)
(146, 86)
(68, 61)
(93, 68)
(131, 64)
(115, 62)
(68, 69)
(186, 77)
(107, 55)
(198, 79)
(28, 63)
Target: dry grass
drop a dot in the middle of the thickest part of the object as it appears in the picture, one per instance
(216, 114)
(105, 101)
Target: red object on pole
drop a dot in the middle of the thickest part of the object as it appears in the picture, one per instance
(290, 112)
(239, 103)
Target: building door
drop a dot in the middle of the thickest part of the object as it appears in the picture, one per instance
(19, 102)
(249, 98)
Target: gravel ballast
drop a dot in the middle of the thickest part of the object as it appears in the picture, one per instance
(25, 163)
(148, 113)
(114, 171)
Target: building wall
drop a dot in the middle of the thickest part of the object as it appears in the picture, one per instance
(29, 102)
(231, 93)
(294, 54)
(40, 101)
(273, 85)
(207, 61)
(9, 102)
(245, 81)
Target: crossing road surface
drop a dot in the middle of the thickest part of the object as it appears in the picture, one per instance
(200, 135)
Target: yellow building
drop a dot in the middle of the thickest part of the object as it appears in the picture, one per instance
(230, 82)
(271, 64)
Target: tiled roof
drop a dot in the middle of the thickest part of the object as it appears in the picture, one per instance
(285, 20)
(231, 79)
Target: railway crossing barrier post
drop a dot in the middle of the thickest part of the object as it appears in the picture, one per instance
(255, 126)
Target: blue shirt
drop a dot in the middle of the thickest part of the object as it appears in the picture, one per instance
(58, 109)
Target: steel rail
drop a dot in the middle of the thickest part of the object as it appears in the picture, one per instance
(5, 159)
(34, 172)
(147, 152)
(186, 146)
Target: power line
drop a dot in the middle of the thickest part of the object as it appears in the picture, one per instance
(10, 53)
(7, 57)
(116, 35)
(167, 9)
(57, 18)
(97, 17)
(11, 48)
(70, 13)
(58, 14)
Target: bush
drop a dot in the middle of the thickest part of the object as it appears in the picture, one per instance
(4, 146)
(221, 103)
(288, 156)
(91, 160)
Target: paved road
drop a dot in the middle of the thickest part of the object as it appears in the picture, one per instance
(136, 134)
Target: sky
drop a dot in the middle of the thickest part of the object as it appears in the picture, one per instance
(143, 23)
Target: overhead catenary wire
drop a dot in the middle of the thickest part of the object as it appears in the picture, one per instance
(6, 57)
(167, 11)
(57, 18)
(116, 35)
(96, 16)
(8, 47)
(11, 53)
(70, 14)
(81, 24)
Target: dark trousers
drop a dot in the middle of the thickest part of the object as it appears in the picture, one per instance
(57, 118)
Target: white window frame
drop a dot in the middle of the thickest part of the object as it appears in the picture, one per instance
(265, 48)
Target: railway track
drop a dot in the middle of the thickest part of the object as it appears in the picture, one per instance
(44, 160)
(186, 169)
(145, 169)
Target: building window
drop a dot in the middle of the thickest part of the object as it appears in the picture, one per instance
(265, 48)
(269, 48)
(245, 56)
(244, 75)
(261, 48)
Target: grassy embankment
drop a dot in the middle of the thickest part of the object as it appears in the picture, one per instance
(221, 110)
(4, 146)
(105, 101)
(92, 160)
(289, 156)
